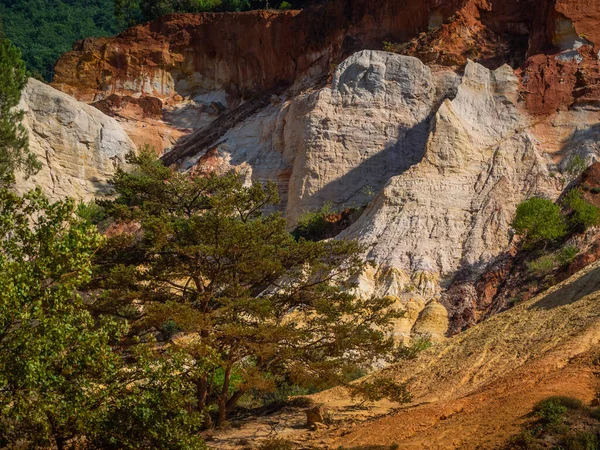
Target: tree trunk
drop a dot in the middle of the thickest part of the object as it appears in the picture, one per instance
(234, 399)
(222, 402)
(61, 443)
(202, 392)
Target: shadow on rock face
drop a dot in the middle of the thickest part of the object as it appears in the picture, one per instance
(572, 292)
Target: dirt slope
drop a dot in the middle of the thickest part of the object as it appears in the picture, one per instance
(477, 388)
(474, 390)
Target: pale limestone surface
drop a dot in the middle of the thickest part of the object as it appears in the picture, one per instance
(441, 159)
(79, 146)
(454, 208)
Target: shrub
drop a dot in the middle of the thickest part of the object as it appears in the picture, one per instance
(581, 440)
(539, 221)
(576, 165)
(394, 47)
(550, 411)
(325, 222)
(523, 441)
(584, 214)
(595, 413)
(407, 352)
(91, 212)
(567, 255)
(285, 394)
(312, 224)
(568, 402)
(285, 5)
(170, 328)
(541, 266)
(514, 300)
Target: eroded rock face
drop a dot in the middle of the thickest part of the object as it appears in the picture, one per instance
(79, 147)
(371, 125)
(454, 208)
(198, 66)
(442, 159)
(442, 148)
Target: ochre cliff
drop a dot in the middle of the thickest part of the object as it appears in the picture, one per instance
(192, 68)
(438, 149)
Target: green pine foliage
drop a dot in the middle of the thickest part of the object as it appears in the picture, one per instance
(234, 287)
(539, 221)
(14, 140)
(583, 213)
(45, 29)
(136, 11)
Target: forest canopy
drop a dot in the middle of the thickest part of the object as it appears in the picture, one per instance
(45, 29)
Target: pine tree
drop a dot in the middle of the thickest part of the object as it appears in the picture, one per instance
(14, 142)
(253, 305)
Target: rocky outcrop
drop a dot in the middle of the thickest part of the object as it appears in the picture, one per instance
(199, 66)
(194, 68)
(440, 147)
(455, 207)
(79, 147)
(441, 159)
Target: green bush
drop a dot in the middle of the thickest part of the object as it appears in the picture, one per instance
(45, 29)
(583, 213)
(312, 224)
(567, 255)
(523, 441)
(285, 5)
(550, 411)
(539, 221)
(378, 388)
(408, 352)
(595, 413)
(571, 403)
(541, 266)
(91, 212)
(576, 165)
(581, 440)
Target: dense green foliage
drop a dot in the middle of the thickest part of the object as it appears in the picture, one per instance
(45, 29)
(583, 213)
(14, 141)
(206, 264)
(61, 380)
(566, 422)
(379, 387)
(540, 221)
(66, 381)
(325, 223)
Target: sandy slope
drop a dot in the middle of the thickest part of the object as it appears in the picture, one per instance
(476, 389)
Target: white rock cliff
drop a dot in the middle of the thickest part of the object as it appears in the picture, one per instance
(79, 146)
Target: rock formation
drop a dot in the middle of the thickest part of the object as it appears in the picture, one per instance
(440, 147)
(79, 146)
(179, 73)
